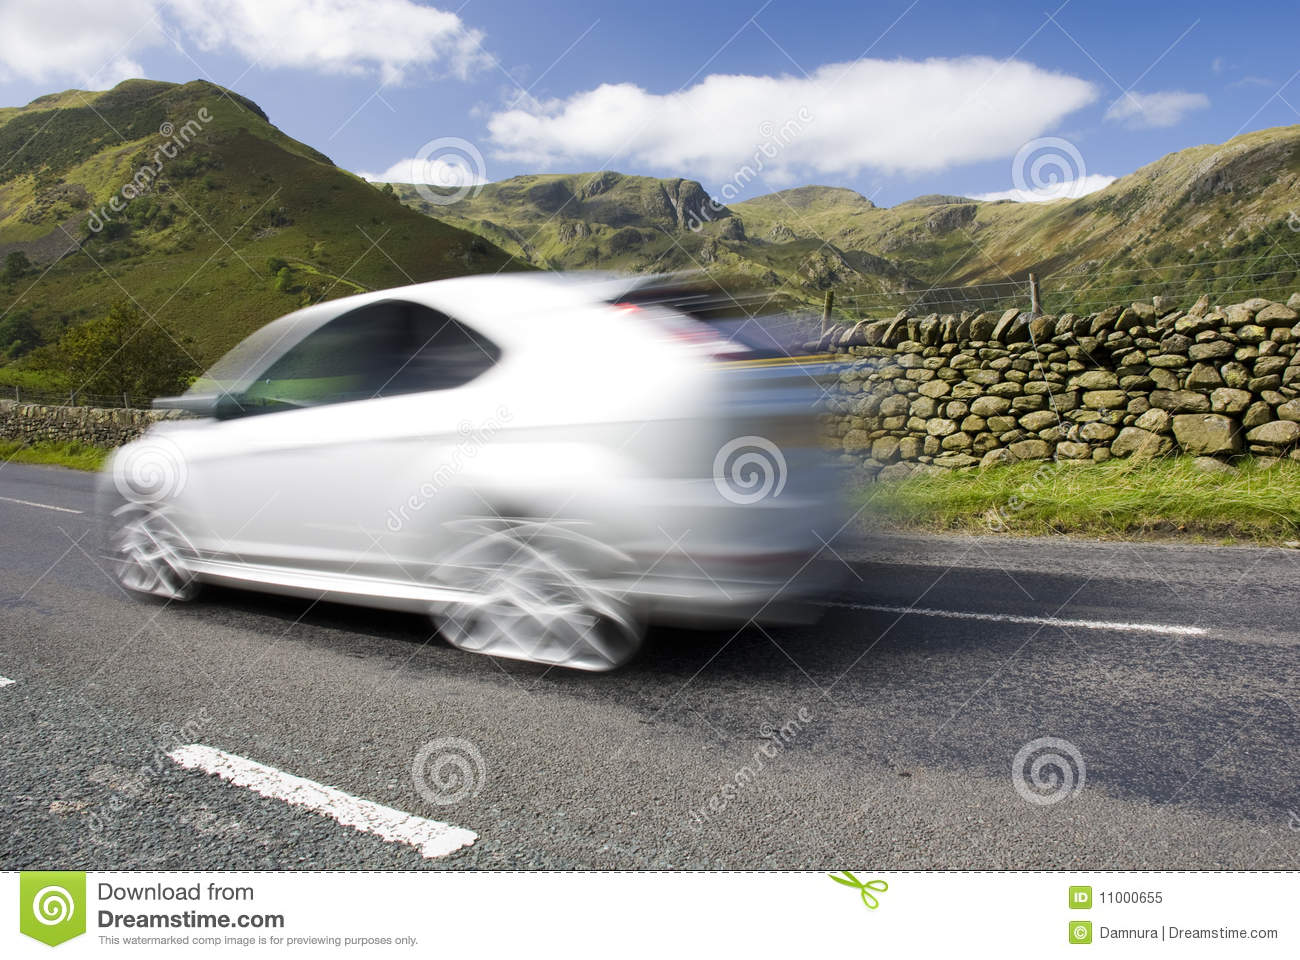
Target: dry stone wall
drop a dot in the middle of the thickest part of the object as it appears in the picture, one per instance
(1142, 380)
(34, 422)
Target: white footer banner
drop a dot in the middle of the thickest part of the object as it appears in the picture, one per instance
(643, 914)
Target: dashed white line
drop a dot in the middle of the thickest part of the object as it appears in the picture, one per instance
(1168, 629)
(432, 838)
(43, 506)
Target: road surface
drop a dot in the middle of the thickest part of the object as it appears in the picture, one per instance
(881, 738)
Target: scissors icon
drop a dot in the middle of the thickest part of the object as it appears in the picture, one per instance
(868, 898)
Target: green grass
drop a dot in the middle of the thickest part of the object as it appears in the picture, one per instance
(1117, 498)
(78, 456)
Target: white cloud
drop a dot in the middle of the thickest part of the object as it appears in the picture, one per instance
(1066, 190)
(886, 115)
(333, 36)
(435, 171)
(97, 44)
(91, 43)
(1162, 109)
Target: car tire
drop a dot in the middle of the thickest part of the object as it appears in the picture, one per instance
(148, 553)
(537, 590)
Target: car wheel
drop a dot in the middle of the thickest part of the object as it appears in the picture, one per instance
(535, 592)
(148, 553)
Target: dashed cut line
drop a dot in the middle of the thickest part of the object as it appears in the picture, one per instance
(1164, 628)
(43, 506)
(432, 838)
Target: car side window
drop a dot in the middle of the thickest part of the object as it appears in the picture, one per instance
(379, 350)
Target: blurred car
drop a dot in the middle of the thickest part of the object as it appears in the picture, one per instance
(541, 462)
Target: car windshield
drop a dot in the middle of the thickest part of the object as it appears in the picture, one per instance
(237, 369)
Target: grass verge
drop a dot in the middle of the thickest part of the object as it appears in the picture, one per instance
(1118, 498)
(78, 456)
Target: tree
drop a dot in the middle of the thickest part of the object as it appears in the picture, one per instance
(125, 352)
(16, 264)
(18, 335)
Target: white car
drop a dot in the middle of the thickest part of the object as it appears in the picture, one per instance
(543, 463)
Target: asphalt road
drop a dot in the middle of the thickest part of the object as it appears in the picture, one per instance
(877, 739)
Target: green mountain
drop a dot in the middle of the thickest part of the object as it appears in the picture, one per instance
(613, 221)
(1219, 219)
(186, 200)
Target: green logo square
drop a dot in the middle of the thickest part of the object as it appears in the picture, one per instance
(1081, 898)
(1081, 931)
(52, 905)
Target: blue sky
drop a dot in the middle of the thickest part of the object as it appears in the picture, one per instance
(893, 99)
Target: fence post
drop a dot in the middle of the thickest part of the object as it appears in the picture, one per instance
(126, 401)
(1035, 305)
(826, 311)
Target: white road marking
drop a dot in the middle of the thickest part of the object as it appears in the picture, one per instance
(43, 506)
(1040, 621)
(5, 681)
(431, 837)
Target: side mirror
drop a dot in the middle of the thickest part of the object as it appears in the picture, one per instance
(222, 406)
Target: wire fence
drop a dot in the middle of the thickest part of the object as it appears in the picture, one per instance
(74, 398)
(1275, 276)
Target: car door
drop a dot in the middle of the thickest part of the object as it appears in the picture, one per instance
(328, 460)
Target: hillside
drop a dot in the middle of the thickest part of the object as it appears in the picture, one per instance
(228, 227)
(1201, 205)
(614, 221)
(1217, 218)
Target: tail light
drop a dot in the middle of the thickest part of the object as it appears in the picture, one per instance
(693, 334)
